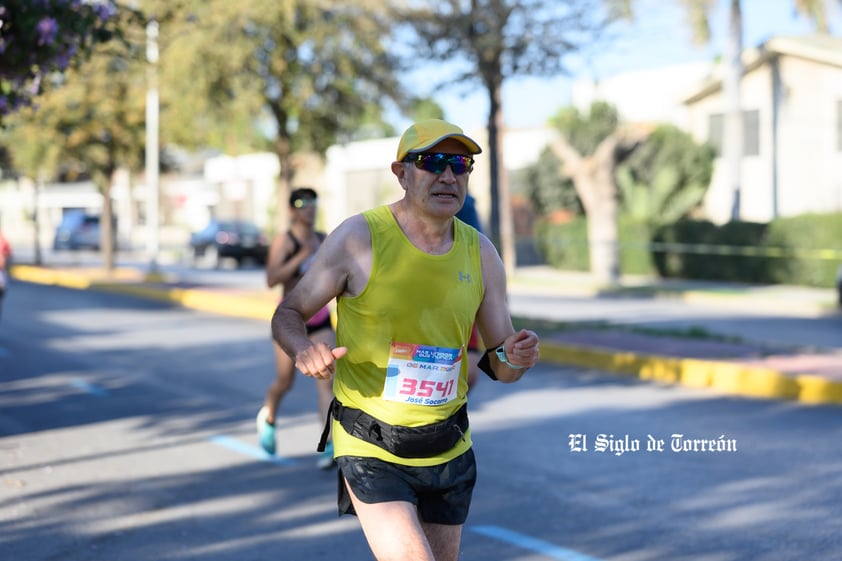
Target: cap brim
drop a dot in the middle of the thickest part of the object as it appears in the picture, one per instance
(467, 141)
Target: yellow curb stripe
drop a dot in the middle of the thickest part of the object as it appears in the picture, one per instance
(48, 276)
(251, 308)
(71, 279)
(697, 373)
(726, 377)
(754, 382)
(815, 389)
(224, 304)
(232, 305)
(149, 292)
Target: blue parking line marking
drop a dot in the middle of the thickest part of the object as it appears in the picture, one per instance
(532, 544)
(87, 387)
(253, 451)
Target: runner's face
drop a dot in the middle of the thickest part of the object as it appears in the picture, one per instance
(441, 195)
(305, 210)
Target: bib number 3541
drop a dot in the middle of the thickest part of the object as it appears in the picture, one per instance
(422, 374)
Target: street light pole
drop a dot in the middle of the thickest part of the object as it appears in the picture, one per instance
(152, 218)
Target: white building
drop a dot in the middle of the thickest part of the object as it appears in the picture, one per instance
(791, 95)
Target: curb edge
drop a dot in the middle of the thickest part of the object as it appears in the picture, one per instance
(730, 378)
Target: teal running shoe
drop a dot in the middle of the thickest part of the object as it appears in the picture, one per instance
(265, 432)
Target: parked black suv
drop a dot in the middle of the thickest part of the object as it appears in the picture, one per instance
(236, 239)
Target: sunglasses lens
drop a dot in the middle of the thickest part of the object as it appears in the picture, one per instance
(459, 164)
(434, 163)
(301, 203)
(437, 163)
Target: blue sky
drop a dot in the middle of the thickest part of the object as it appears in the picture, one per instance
(659, 36)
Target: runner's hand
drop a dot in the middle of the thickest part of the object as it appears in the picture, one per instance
(319, 360)
(522, 348)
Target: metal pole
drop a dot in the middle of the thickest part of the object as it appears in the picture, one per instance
(36, 220)
(152, 217)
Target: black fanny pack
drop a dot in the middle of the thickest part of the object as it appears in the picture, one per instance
(406, 442)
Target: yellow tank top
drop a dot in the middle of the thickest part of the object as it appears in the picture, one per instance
(414, 315)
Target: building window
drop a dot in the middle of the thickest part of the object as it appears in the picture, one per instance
(751, 132)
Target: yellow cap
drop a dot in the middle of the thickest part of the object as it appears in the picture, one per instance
(425, 134)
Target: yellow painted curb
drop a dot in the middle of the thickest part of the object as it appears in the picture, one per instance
(815, 389)
(727, 377)
(79, 279)
(251, 307)
(40, 275)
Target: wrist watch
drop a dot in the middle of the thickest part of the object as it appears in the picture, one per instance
(503, 357)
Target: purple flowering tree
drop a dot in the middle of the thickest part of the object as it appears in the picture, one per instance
(42, 37)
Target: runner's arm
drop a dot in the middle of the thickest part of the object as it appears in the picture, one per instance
(339, 266)
(278, 269)
(495, 323)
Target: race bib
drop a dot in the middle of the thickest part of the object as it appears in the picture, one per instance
(422, 374)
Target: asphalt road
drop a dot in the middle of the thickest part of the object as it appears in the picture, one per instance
(126, 434)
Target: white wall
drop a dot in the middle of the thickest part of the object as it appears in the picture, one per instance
(808, 164)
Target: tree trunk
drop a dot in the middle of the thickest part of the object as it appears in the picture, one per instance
(282, 149)
(602, 241)
(106, 229)
(36, 219)
(593, 178)
(502, 231)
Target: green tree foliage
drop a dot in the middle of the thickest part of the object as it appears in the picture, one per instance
(309, 73)
(426, 108)
(41, 37)
(586, 130)
(548, 189)
(90, 122)
(666, 178)
(205, 102)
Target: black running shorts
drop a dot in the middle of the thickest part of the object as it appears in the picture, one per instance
(442, 493)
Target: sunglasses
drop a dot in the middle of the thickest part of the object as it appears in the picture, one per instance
(302, 203)
(436, 162)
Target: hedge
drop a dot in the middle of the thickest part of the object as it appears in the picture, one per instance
(804, 250)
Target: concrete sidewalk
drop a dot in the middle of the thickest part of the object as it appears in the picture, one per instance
(807, 375)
